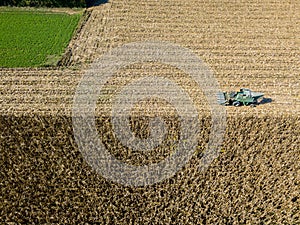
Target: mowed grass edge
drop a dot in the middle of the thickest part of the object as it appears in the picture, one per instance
(34, 37)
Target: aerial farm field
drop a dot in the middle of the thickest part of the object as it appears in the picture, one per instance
(45, 178)
(31, 38)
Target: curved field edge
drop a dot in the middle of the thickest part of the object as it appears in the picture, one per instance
(255, 179)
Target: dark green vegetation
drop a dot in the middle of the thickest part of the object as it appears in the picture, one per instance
(33, 38)
(44, 3)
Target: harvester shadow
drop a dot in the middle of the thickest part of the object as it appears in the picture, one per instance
(91, 3)
(265, 101)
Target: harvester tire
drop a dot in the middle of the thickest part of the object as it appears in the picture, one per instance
(236, 104)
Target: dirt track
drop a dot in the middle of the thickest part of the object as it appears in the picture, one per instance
(255, 180)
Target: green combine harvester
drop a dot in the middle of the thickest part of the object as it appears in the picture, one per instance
(243, 97)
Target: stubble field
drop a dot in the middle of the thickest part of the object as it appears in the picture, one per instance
(255, 179)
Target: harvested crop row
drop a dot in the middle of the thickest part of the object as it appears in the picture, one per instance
(246, 39)
(52, 91)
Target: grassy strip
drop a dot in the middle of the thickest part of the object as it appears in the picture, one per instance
(34, 38)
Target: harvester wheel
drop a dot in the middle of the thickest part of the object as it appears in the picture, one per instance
(236, 104)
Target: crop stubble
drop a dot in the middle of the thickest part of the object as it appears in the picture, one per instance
(254, 180)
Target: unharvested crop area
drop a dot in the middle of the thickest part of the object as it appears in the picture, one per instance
(31, 38)
(255, 179)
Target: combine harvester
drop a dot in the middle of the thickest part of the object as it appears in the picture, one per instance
(243, 97)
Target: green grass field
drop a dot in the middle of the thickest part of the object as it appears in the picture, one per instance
(34, 38)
